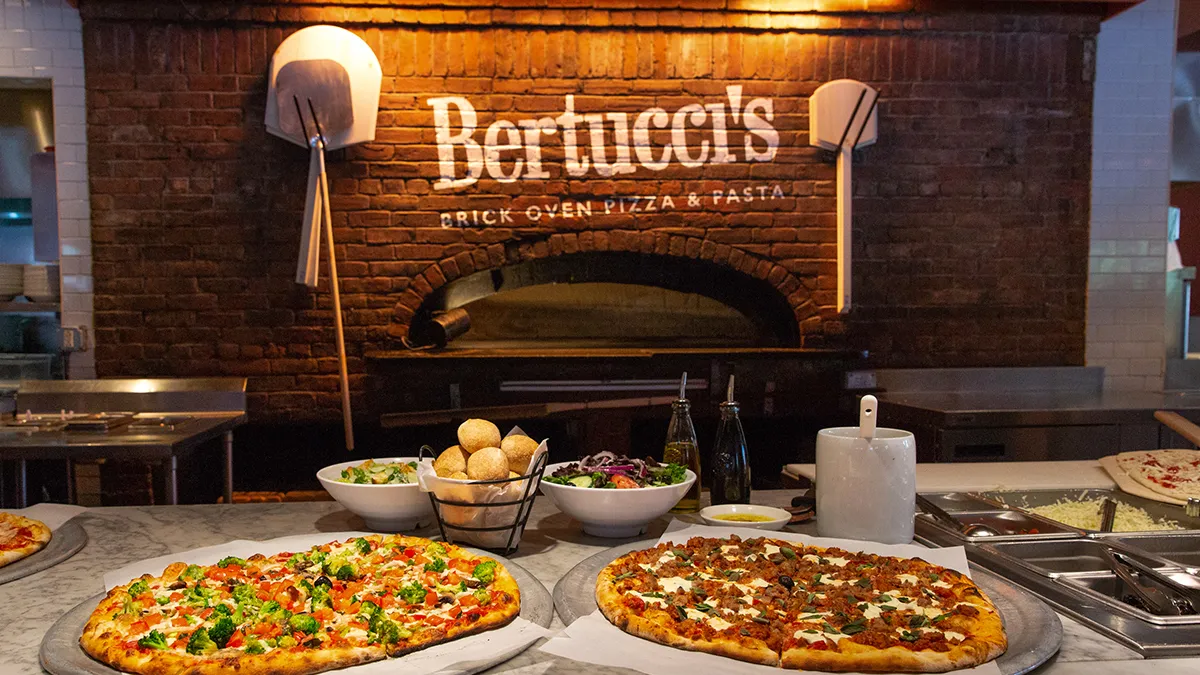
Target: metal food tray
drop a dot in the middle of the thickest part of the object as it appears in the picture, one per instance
(1067, 557)
(1013, 526)
(1034, 498)
(1180, 548)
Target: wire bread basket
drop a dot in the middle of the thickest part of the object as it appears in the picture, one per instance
(490, 514)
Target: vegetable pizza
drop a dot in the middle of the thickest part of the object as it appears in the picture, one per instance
(335, 605)
(782, 603)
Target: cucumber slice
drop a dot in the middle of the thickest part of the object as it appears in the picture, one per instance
(582, 481)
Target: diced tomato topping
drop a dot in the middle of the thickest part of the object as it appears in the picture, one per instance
(357, 624)
(455, 612)
(175, 597)
(217, 574)
(323, 614)
(430, 599)
(418, 617)
(179, 643)
(452, 579)
(236, 640)
(468, 601)
(146, 598)
(355, 608)
(207, 612)
(179, 621)
(387, 602)
(139, 627)
(153, 618)
(420, 559)
(435, 621)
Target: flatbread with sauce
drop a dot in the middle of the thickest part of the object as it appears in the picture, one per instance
(21, 537)
(1174, 473)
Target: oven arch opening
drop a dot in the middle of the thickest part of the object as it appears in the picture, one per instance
(611, 299)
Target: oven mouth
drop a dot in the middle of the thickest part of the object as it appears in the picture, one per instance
(606, 300)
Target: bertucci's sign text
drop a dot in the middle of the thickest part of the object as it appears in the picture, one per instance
(630, 139)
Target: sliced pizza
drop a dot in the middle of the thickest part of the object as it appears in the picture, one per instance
(335, 605)
(21, 537)
(804, 607)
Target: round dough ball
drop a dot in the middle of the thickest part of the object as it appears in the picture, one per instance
(513, 474)
(519, 450)
(487, 464)
(476, 434)
(458, 475)
(452, 460)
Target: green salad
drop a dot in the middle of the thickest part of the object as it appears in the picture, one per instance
(398, 473)
(607, 470)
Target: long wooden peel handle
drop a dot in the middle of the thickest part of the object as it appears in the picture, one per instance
(1180, 425)
(347, 422)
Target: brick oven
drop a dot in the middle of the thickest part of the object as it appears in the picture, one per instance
(689, 176)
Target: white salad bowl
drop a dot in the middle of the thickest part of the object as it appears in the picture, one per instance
(609, 512)
(387, 507)
(778, 517)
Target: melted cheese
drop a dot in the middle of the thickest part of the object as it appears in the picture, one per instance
(951, 635)
(840, 562)
(672, 584)
(760, 583)
(907, 578)
(717, 623)
(770, 549)
(941, 584)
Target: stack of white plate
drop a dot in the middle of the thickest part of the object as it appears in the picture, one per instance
(41, 283)
(12, 281)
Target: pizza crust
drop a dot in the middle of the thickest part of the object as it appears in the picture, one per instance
(14, 547)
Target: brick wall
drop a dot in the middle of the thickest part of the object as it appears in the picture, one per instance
(971, 213)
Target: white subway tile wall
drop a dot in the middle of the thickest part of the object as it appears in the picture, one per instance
(1131, 156)
(43, 39)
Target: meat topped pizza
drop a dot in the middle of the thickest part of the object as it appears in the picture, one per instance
(781, 603)
(335, 605)
(1174, 473)
(20, 537)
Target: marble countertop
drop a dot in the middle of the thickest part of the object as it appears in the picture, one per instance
(553, 544)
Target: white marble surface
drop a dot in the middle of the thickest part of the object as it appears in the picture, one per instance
(552, 544)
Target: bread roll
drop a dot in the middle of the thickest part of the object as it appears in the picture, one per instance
(487, 464)
(475, 435)
(513, 474)
(459, 475)
(452, 460)
(519, 450)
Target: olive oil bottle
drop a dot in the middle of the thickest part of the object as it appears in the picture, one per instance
(681, 448)
(730, 460)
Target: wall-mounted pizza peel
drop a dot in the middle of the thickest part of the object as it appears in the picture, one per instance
(842, 119)
(323, 94)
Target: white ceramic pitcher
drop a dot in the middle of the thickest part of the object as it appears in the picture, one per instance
(866, 480)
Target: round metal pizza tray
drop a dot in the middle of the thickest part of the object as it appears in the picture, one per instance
(65, 541)
(60, 653)
(1034, 631)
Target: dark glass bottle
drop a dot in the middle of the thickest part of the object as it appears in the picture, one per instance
(681, 448)
(730, 463)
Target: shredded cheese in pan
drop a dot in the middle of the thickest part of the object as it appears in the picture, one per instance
(1085, 514)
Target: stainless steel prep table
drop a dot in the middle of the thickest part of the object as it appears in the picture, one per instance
(205, 408)
(1034, 425)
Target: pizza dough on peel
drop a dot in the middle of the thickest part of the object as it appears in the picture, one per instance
(1174, 473)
